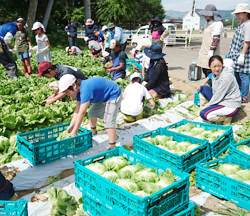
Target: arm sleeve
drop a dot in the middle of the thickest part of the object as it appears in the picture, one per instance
(164, 34)
(220, 93)
(8, 37)
(117, 34)
(247, 32)
(122, 57)
(86, 96)
(156, 75)
(215, 42)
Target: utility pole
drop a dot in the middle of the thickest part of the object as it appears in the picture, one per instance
(192, 14)
(47, 13)
(233, 23)
(31, 14)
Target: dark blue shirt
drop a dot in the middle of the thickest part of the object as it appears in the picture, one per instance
(101, 37)
(71, 30)
(8, 27)
(89, 32)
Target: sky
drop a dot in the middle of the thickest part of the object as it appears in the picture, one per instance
(185, 5)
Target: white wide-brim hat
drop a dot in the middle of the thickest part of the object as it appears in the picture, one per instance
(241, 8)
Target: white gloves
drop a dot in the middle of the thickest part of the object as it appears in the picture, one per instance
(68, 33)
(43, 50)
(144, 83)
(30, 52)
(148, 105)
(210, 54)
(31, 49)
(241, 59)
(14, 50)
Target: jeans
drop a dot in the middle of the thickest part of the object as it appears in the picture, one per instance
(243, 82)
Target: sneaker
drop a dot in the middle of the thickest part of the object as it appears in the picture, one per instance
(29, 73)
(244, 99)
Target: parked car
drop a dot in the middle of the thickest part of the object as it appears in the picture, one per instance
(143, 36)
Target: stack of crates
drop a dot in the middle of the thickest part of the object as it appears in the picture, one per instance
(103, 197)
(41, 146)
(14, 208)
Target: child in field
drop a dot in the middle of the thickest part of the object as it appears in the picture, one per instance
(106, 57)
(133, 97)
(74, 50)
(43, 45)
(22, 45)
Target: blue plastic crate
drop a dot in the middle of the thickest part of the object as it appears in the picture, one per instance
(197, 98)
(14, 208)
(221, 185)
(93, 208)
(163, 202)
(41, 146)
(221, 144)
(185, 162)
(238, 153)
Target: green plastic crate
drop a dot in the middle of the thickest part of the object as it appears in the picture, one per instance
(105, 192)
(238, 153)
(222, 186)
(41, 146)
(185, 162)
(221, 144)
(14, 208)
(93, 208)
(197, 98)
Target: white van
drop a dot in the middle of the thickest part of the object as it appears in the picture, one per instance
(143, 36)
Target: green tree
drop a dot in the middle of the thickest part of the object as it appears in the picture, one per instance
(78, 15)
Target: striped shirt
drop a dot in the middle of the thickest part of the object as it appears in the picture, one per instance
(139, 57)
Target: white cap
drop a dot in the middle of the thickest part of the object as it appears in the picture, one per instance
(65, 82)
(86, 39)
(38, 25)
(228, 62)
(114, 43)
(135, 74)
(67, 49)
(104, 28)
(105, 54)
(138, 47)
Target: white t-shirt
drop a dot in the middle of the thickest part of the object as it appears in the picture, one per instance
(139, 57)
(132, 103)
(146, 62)
(41, 43)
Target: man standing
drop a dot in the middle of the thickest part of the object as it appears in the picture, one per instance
(7, 32)
(71, 30)
(118, 35)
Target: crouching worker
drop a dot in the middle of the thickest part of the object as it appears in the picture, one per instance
(94, 47)
(74, 50)
(133, 97)
(7, 191)
(105, 96)
(223, 100)
(57, 71)
(117, 66)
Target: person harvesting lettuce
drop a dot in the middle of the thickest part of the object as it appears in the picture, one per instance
(105, 97)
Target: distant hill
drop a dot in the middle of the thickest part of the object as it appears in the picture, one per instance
(226, 14)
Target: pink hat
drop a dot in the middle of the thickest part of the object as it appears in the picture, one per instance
(89, 22)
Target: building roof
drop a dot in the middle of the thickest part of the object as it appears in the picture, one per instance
(196, 11)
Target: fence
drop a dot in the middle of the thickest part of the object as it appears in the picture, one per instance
(181, 37)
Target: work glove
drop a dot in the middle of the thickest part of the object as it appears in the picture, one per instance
(43, 50)
(14, 50)
(144, 83)
(241, 59)
(210, 54)
(30, 52)
(68, 33)
(31, 49)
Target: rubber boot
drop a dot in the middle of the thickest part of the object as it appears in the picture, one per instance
(218, 119)
(227, 121)
(203, 102)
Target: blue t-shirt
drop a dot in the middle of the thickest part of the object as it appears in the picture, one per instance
(8, 27)
(210, 76)
(98, 89)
